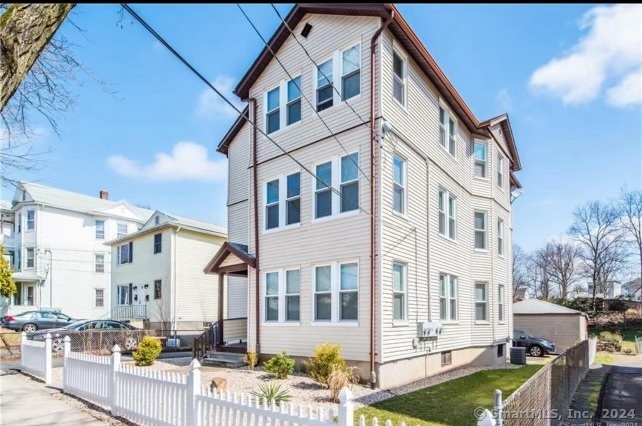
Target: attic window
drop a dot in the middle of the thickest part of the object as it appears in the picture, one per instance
(156, 220)
(306, 30)
(24, 195)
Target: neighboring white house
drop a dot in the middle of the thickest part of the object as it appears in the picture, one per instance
(405, 261)
(157, 273)
(57, 249)
(611, 290)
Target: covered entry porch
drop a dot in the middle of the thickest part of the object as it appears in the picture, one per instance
(229, 332)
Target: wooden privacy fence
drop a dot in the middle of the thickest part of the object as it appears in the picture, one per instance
(35, 357)
(150, 397)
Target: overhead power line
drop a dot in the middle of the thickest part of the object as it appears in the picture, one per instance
(211, 86)
(300, 90)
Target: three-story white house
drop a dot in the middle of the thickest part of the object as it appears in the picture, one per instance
(368, 207)
(57, 248)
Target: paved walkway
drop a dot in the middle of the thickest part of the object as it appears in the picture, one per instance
(622, 400)
(27, 403)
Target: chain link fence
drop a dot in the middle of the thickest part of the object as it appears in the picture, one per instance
(550, 391)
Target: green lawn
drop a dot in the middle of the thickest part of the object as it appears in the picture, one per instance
(449, 403)
(628, 337)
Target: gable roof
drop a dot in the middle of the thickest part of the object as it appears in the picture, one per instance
(403, 34)
(5, 205)
(74, 201)
(507, 131)
(238, 250)
(535, 306)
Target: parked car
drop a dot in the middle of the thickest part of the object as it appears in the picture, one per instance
(535, 346)
(94, 336)
(36, 320)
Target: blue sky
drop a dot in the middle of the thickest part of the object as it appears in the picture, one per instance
(571, 87)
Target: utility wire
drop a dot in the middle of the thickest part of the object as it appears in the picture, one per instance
(200, 76)
(300, 90)
(315, 64)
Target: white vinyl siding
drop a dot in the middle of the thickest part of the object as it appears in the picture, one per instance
(481, 301)
(481, 228)
(399, 201)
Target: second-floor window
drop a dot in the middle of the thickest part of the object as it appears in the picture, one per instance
(500, 170)
(480, 230)
(325, 95)
(273, 114)
(158, 243)
(100, 263)
(293, 113)
(399, 184)
(30, 258)
(447, 297)
(481, 155)
(19, 223)
(31, 220)
(122, 230)
(341, 175)
(283, 201)
(500, 237)
(447, 131)
(447, 214)
(100, 229)
(125, 253)
(351, 72)
(399, 72)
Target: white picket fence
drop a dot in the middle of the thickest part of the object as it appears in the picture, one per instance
(150, 397)
(35, 357)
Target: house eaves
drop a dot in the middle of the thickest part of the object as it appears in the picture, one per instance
(160, 227)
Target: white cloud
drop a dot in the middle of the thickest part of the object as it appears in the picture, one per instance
(608, 55)
(210, 105)
(504, 99)
(188, 161)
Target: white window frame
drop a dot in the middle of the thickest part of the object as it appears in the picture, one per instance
(342, 51)
(96, 222)
(160, 246)
(281, 296)
(404, 80)
(448, 297)
(404, 292)
(130, 247)
(119, 289)
(282, 202)
(33, 257)
(287, 103)
(160, 289)
(99, 267)
(118, 227)
(484, 230)
(271, 111)
(476, 301)
(96, 298)
(444, 200)
(283, 104)
(500, 237)
(501, 303)
(335, 189)
(337, 76)
(449, 126)
(500, 171)
(32, 221)
(335, 294)
(485, 162)
(403, 185)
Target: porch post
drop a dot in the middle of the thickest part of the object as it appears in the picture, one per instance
(221, 290)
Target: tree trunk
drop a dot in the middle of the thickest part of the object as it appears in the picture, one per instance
(25, 31)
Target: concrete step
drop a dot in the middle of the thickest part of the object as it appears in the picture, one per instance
(222, 362)
(225, 355)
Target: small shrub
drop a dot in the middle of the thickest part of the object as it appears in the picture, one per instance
(327, 357)
(339, 378)
(628, 351)
(147, 352)
(272, 394)
(611, 342)
(280, 365)
(251, 359)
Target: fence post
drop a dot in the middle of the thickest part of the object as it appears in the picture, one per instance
(499, 408)
(113, 388)
(193, 390)
(48, 359)
(66, 349)
(23, 340)
(346, 408)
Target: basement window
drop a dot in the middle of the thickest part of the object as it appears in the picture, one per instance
(446, 358)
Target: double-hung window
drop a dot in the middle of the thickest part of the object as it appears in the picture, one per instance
(447, 131)
(31, 260)
(100, 229)
(31, 220)
(285, 188)
(126, 253)
(447, 297)
(294, 101)
(100, 263)
(325, 95)
(399, 289)
(272, 296)
(481, 302)
(351, 72)
(292, 295)
(480, 230)
(273, 111)
(158, 243)
(500, 237)
(447, 214)
(500, 170)
(122, 230)
(336, 187)
(282, 295)
(500, 303)
(399, 184)
(158, 289)
(481, 156)
(399, 73)
(336, 292)
(124, 294)
(99, 297)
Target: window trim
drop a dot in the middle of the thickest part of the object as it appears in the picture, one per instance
(160, 291)
(342, 75)
(500, 171)
(130, 256)
(337, 70)
(33, 221)
(486, 163)
(96, 229)
(448, 297)
(159, 244)
(335, 191)
(485, 230)
(96, 290)
(404, 319)
(282, 203)
(97, 264)
(447, 195)
(486, 320)
(501, 304)
(292, 102)
(33, 258)
(281, 297)
(268, 111)
(448, 356)
(500, 237)
(118, 225)
(403, 186)
(448, 116)
(130, 294)
(335, 292)
(404, 80)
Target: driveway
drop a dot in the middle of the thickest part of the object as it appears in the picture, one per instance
(622, 394)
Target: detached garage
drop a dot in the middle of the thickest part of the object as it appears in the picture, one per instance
(564, 326)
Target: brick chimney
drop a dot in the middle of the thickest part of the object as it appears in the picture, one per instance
(104, 195)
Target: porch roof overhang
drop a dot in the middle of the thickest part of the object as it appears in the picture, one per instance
(231, 257)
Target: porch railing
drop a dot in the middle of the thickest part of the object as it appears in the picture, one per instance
(221, 332)
(127, 312)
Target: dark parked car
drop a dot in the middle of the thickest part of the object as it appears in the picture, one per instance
(535, 346)
(36, 320)
(94, 335)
